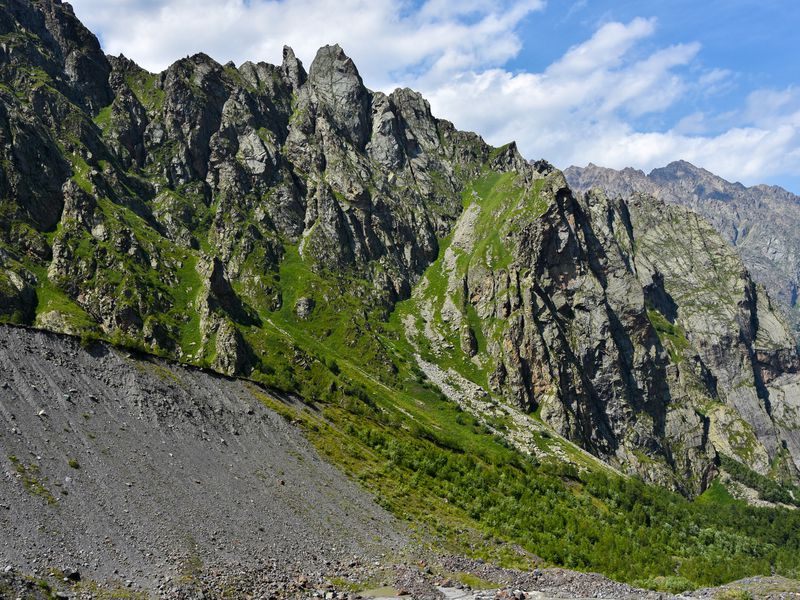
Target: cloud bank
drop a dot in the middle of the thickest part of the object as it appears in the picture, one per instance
(616, 99)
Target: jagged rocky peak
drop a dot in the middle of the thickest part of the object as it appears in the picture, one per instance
(690, 174)
(338, 92)
(292, 68)
(238, 162)
(63, 50)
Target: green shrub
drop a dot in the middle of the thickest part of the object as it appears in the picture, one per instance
(733, 594)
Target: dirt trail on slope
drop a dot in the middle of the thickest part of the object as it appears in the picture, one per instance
(141, 471)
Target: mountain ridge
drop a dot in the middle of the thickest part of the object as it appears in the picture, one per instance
(257, 193)
(445, 306)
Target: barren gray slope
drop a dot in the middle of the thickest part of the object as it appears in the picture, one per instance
(175, 465)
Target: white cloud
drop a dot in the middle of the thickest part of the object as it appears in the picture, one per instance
(576, 8)
(604, 50)
(592, 87)
(616, 99)
(383, 37)
(772, 108)
(582, 108)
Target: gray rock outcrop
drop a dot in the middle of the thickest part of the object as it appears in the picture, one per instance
(632, 328)
(759, 221)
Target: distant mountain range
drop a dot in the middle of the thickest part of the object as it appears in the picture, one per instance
(762, 222)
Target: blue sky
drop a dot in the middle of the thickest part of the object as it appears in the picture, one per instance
(756, 42)
(617, 83)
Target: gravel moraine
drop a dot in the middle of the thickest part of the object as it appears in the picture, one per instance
(133, 469)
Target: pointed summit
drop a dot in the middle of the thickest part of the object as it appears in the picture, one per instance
(61, 46)
(334, 58)
(341, 93)
(292, 69)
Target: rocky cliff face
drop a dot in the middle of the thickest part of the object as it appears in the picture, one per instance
(630, 327)
(260, 219)
(113, 174)
(760, 221)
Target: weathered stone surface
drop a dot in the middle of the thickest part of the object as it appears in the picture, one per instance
(338, 94)
(760, 221)
(17, 296)
(233, 356)
(632, 328)
(62, 48)
(36, 170)
(303, 307)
